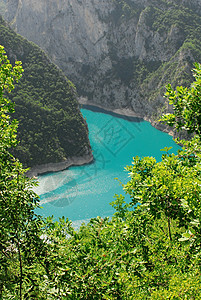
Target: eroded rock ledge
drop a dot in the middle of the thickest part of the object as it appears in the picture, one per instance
(55, 167)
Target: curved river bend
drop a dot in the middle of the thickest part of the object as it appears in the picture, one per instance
(84, 192)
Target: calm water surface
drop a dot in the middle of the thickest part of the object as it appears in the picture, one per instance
(81, 193)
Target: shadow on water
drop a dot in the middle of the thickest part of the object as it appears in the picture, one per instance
(108, 112)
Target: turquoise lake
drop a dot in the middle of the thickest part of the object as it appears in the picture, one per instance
(84, 192)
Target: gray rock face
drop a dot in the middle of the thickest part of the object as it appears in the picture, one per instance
(68, 30)
(114, 51)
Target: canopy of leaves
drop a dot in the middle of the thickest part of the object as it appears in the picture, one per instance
(18, 223)
(186, 104)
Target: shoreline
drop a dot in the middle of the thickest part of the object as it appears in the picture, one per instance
(125, 113)
(60, 166)
(114, 113)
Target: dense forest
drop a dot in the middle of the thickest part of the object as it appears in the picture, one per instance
(150, 249)
(51, 127)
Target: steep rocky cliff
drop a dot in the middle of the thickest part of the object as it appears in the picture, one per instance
(51, 127)
(119, 53)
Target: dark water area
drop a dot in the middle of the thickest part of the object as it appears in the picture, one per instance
(111, 113)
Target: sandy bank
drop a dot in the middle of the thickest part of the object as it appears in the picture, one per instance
(55, 167)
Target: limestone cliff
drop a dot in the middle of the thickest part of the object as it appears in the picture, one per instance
(119, 53)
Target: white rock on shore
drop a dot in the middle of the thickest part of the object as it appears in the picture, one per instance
(55, 167)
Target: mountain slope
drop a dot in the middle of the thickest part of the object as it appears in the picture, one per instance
(51, 127)
(119, 53)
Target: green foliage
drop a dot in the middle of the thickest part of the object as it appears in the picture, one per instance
(51, 127)
(150, 249)
(124, 10)
(19, 239)
(186, 104)
(165, 197)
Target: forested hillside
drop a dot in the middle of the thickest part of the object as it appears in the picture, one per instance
(119, 53)
(51, 127)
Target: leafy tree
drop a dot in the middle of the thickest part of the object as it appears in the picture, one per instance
(169, 196)
(186, 104)
(19, 237)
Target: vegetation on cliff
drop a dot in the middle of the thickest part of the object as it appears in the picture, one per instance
(147, 251)
(51, 127)
(125, 61)
(170, 45)
(161, 47)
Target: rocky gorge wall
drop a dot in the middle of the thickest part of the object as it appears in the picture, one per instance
(119, 54)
